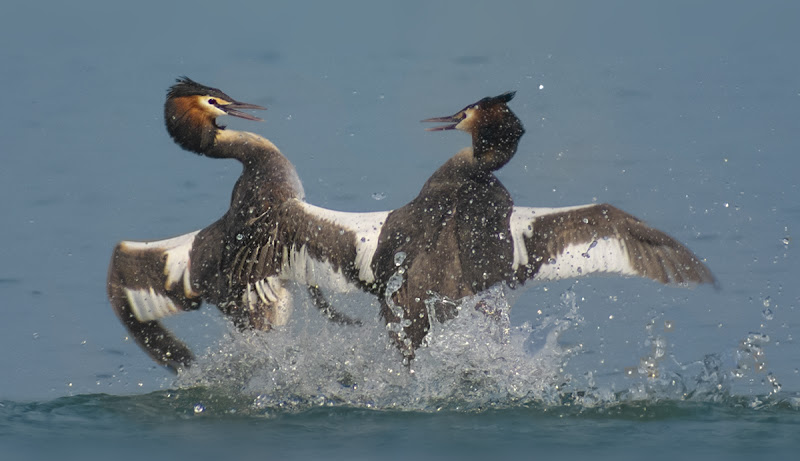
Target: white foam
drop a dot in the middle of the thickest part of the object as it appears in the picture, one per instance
(470, 362)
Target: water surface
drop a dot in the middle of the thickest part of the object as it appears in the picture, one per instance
(682, 113)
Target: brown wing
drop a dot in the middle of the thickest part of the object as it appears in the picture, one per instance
(557, 243)
(310, 245)
(148, 281)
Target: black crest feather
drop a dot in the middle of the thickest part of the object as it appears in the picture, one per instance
(188, 87)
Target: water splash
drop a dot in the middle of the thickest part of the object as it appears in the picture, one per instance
(476, 361)
(751, 354)
(393, 285)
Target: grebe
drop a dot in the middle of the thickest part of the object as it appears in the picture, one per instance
(150, 280)
(461, 235)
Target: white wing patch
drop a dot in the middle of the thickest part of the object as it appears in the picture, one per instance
(522, 226)
(148, 305)
(177, 251)
(300, 267)
(366, 226)
(603, 255)
(166, 244)
(271, 293)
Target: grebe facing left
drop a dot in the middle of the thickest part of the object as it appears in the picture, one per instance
(463, 234)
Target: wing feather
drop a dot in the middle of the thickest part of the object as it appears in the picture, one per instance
(312, 246)
(148, 281)
(557, 243)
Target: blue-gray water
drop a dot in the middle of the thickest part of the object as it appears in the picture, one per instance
(685, 114)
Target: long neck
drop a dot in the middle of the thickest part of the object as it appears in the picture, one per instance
(267, 177)
(495, 143)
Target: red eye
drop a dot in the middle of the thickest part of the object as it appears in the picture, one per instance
(212, 101)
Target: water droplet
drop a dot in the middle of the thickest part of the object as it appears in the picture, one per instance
(239, 236)
(766, 301)
(776, 386)
(199, 408)
(378, 195)
(767, 313)
(786, 240)
(659, 348)
(669, 325)
(399, 257)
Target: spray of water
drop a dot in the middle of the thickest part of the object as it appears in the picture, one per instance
(478, 360)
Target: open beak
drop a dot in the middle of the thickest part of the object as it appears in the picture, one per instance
(235, 107)
(453, 121)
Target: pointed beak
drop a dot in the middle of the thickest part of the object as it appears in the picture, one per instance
(453, 121)
(235, 108)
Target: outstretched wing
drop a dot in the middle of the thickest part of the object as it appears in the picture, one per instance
(148, 281)
(558, 243)
(312, 246)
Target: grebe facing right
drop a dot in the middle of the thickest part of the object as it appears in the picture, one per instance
(151, 280)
